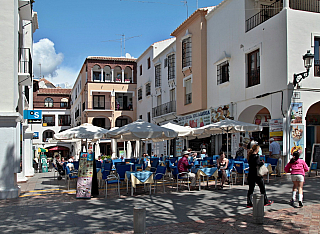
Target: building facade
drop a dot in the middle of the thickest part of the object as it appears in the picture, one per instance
(19, 24)
(251, 66)
(105, 95)
(55, 106)
(154, 87)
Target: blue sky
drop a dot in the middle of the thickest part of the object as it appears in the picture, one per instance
(71, 30)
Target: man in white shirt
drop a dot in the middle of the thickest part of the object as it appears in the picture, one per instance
(275, 152)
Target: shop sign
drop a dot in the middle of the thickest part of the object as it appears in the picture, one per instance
(296, 113)
(196, 120)
(33, 116)
(85, 173)
(36, 135)
(262, 120)
(296, 138)
(217, 114)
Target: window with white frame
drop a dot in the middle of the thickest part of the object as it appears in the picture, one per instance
(171, 66)
(188, 94)
(186, 52)
(139, 94)
(148, 89)
(158, 75)
(223, 72)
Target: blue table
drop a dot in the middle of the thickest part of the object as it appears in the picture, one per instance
(138, 177)
(207, 172)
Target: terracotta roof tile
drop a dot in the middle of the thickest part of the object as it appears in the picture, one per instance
(54, 91)
(112, 58)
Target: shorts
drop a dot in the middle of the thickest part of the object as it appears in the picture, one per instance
(299, 178)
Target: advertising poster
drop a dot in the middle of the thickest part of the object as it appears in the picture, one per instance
(85, 173)
(217, 114)
(196, 120)
(276, 131)
(296, 138)
(296, 113)
(179, 143)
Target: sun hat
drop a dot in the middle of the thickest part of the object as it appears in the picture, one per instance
(185, 152)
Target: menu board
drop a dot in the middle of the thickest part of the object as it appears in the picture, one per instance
(316, 154)
(85, 173)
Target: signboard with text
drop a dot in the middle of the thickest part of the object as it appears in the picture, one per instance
(33, 116)
(85, 173)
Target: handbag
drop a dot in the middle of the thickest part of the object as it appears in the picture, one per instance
(261, 171)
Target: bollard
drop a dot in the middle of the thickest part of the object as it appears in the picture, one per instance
(258, 208)
(139, 220)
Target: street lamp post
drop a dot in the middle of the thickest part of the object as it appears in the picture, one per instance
(307, 58)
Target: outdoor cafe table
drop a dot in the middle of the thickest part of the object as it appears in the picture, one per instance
(208, 172)
(138, 177)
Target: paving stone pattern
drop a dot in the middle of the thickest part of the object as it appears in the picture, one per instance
(45, 206)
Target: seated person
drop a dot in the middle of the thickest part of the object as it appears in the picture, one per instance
(222, 164)
(59, 166)
(240, 151)
(71, 159)
(184, 166)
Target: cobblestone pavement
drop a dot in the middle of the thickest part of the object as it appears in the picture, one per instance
(45, 206)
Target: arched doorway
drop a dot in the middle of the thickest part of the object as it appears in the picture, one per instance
(102, 122)
(259, 115)
(312, 129)
(123, 120)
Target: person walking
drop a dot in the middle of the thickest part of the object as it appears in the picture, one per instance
(297, 167)
(274, 152)
(253, 178)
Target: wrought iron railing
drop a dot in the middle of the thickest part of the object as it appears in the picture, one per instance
(267, 11)
(25, 61)
(163, 109)
(305, 5)
(55, 105)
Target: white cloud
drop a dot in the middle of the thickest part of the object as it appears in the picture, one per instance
(45, 54)
(65, 76)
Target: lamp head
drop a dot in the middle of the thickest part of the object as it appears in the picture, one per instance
(308, 58)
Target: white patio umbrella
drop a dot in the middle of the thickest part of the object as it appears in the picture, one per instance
(141, 130)
(230, 126)
(181, 130)
(84, 131)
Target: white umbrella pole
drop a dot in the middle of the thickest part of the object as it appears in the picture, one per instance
(124, 149)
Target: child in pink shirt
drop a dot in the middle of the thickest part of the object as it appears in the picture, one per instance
(297, 167)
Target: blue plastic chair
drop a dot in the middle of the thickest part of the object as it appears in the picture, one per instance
(121, 170)
(70, 176)
(112, 179)
(106, 169)
(76, 165)
(159, 175)
(241, 168)
(215, 157)
(182, 177)
(313, 167)
(273, 162)
(98, 164)
(154, 162)
(137, 166)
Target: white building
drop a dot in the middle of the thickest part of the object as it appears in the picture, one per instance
(18, 25)
(252, 57)
(55, 106)
(153, 92)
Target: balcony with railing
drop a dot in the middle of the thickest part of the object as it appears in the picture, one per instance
(51, 105)
(25, 66)
(268, 11)
(166, 108)
(100, 105)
